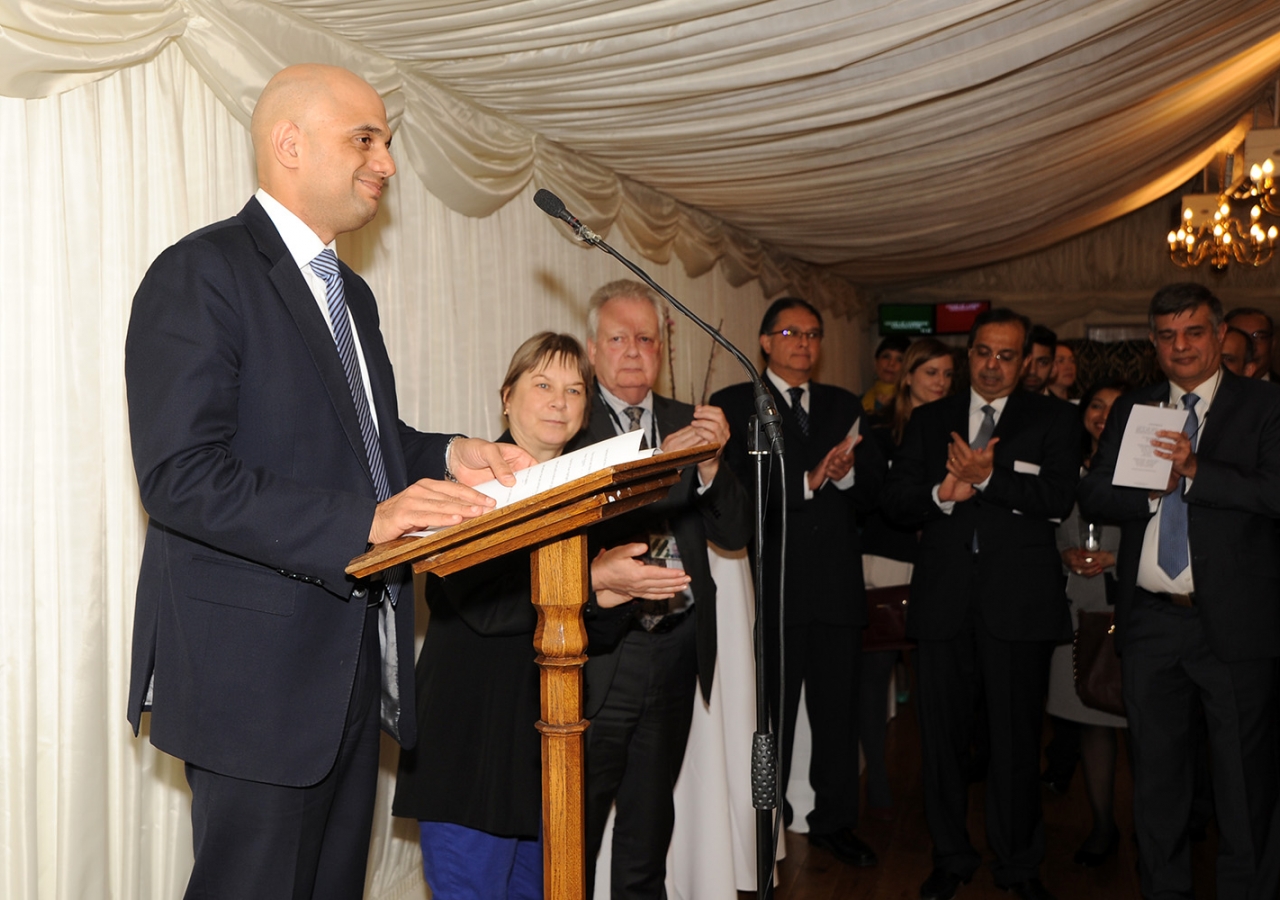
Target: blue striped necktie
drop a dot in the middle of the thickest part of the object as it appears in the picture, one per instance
(326, 268)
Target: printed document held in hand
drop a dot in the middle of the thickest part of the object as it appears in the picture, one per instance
(1137, 464)
(554, 472)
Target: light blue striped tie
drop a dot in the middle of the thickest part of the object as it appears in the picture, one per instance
(326, 268)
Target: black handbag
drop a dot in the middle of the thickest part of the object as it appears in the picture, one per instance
(1095, 663)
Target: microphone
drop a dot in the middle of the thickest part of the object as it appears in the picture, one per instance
(553, 206)
(766, 410)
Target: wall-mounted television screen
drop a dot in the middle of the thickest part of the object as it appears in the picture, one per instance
(906, 318)
(930, 318)
(957, 318)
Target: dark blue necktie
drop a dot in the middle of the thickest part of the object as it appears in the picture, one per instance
(1172, 552)
(326, 268)
(802, 417)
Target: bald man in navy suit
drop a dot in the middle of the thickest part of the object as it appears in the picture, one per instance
(269, 452)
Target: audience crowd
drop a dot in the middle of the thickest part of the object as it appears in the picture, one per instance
(995, 503)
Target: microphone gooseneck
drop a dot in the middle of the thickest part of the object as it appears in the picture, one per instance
(767, 411)
(767, 787)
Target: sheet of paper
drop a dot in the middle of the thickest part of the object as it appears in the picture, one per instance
(1137, 465)
(563, 469)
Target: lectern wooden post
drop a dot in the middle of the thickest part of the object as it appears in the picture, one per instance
(552, 526)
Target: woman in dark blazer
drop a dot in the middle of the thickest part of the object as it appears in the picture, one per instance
(474, 781)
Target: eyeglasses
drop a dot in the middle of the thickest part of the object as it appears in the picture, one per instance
(1262, 334)
(983, 352)
(797, 334)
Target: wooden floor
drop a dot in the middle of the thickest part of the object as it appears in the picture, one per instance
(904, 849)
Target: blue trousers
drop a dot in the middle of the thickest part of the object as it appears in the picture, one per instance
(463, 863)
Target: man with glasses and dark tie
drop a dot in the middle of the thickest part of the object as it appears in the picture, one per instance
(986, 475)
(269, 452)
(1197, 613)
(826, 607)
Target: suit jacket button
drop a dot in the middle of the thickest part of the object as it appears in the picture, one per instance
(360, 593)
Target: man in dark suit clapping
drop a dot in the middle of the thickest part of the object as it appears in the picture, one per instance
(985, 474)
(646, 657)
(826, 606)
(1197, 615)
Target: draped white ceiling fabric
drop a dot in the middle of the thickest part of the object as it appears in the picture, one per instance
(881, 141)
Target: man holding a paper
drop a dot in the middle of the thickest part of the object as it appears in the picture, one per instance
(1198, 611)
(986, 475)
(646, 656)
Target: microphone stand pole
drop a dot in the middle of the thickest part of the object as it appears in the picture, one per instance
(765, 438)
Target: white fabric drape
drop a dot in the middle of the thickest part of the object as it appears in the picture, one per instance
(96, 182)
(887, 140)
(1103, 277)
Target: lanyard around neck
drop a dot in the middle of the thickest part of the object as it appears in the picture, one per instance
(623, 429)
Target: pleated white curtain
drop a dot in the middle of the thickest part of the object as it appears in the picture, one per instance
(95, 182)
(887, 140)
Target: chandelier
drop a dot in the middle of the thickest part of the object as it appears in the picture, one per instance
(1230, 226)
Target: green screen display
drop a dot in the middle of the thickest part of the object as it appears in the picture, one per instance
(906, 318)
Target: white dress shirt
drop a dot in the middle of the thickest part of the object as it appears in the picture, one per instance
(976, 415)
(1150, 576)
(305, 245)
(784, 389)
(622, 422)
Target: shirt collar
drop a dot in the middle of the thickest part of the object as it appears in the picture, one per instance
(302, 243)
(976, 402)
(618, 405)
(1205, 390)
(782, 385)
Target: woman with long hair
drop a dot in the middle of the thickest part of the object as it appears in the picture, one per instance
(889, 553)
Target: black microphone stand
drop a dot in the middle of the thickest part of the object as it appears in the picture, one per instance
(764, 439)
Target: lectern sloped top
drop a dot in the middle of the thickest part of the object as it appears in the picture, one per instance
(543, 517)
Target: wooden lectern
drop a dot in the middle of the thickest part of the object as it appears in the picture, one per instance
(552, 526)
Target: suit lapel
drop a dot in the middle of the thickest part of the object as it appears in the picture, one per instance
(664, 415)
(1220, 414)
(301, 304)
(959, 417)
(1015, 409)
(381, 381)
